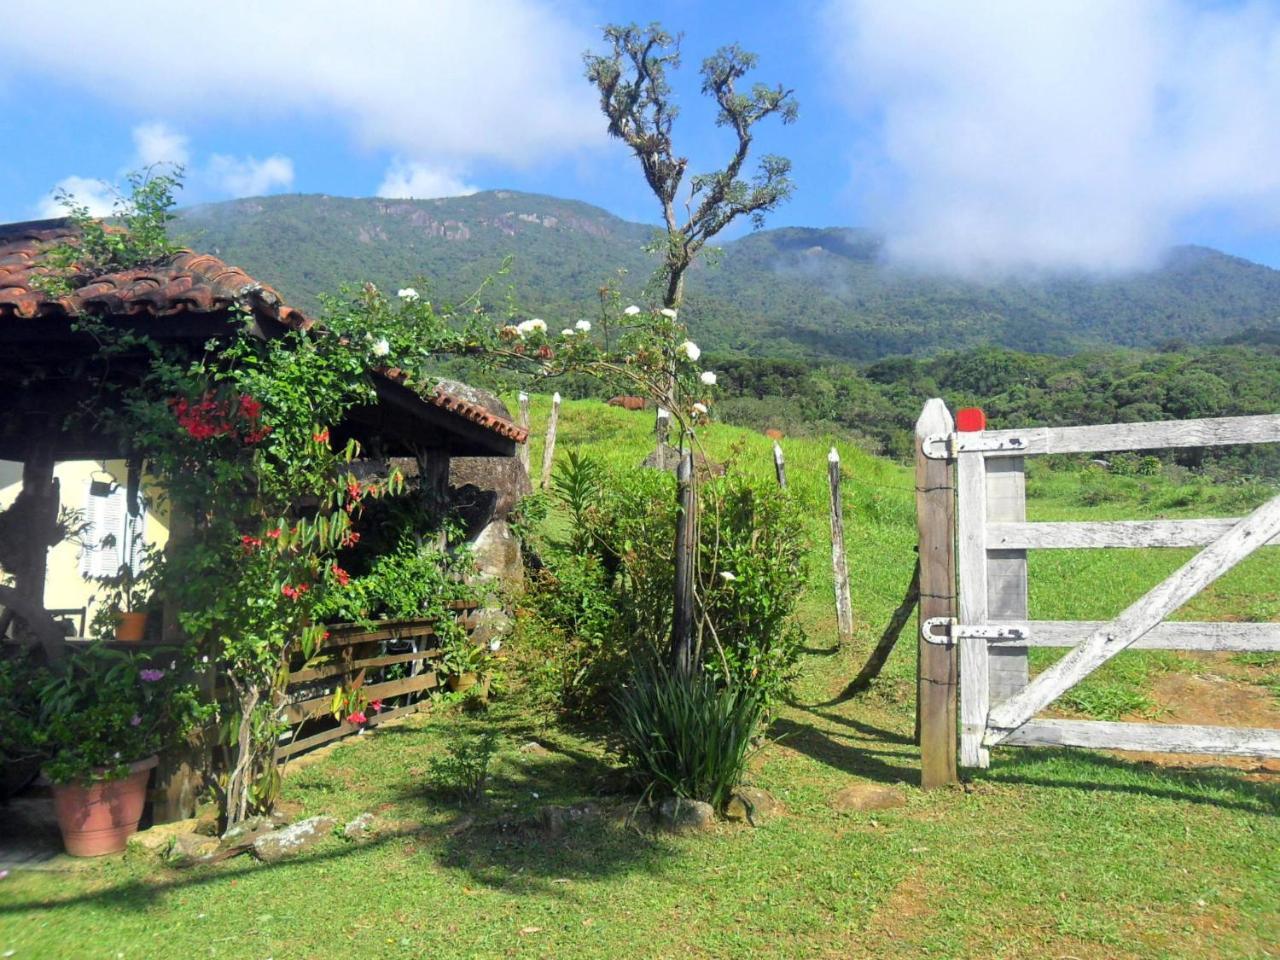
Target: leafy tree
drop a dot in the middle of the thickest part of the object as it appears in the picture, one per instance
(637, 101)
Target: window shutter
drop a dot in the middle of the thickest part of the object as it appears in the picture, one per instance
(106, 517)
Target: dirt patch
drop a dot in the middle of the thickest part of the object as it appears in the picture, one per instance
(1208, 699)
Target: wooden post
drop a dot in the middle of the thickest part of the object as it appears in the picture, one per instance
(937, 675)
(779, 465)
(682, 652)
(549, 450)
(661, 430)
(839, 564)
(971, 556)
(1006, 576)
(522, 450)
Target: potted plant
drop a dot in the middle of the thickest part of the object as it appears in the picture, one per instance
(102, 718)
(123, 613)
(465, 662)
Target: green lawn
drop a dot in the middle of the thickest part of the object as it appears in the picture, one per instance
(1046, 855)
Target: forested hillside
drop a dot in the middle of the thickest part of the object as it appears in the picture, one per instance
(791, 292)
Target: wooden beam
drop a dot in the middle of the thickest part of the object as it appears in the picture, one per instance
(1204, 568)
(1109, 534)
(1148, 737)
(938, 674)
(1170, 635)
(683, 654)
(1006, 576)
(971, 558)
(522, 449)
(1158, 435)
(779, 465)
(549, 447)
(839, 558)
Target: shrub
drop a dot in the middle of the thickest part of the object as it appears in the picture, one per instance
(464, 769)
(687, 735)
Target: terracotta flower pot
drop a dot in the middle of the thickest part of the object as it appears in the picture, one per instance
(98, 816)
(131, 627)
(462, 682)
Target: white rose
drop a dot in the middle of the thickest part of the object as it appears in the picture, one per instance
(539, 325)
(700, 408)
(690, 350)
(583, 325)
(408, 294)
(566, 332)
(668, 312)
(708, 377)
(727, 577)
(381, 348)
(632, 310)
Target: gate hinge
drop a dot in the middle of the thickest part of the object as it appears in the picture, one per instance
(952, 630)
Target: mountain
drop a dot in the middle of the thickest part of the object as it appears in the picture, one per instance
(784, 292)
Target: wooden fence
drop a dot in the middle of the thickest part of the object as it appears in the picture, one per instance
(971, 500)
(361, 656)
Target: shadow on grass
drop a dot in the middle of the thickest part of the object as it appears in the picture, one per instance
(857, 759)
(1084, 770)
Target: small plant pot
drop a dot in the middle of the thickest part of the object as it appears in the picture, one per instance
(131, 627)
(97, 817)
(462, 682)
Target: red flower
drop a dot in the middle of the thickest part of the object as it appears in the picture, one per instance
(358, 718)
(274, 534)
(353, 488)
(322, 436)
(341, 576)
(376, 705)
(294, 593)
(250, 542)
(250, 407)
(351, 538)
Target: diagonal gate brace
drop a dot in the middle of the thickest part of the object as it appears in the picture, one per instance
(1201, 570)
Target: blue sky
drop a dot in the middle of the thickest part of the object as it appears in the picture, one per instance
(984, 136)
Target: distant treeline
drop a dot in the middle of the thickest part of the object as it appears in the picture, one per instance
(881, 401)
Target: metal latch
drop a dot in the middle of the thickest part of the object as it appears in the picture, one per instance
(948, 630)
(945, 446)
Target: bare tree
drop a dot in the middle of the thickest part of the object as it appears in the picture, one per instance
(637, 101)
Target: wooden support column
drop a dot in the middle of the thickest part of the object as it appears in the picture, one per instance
(30, 528)
(779, 465)
(433, 481)
(661, 431)
(937, 673)
(682, 652)
(839, 562)
(549, 449)
(522, 450)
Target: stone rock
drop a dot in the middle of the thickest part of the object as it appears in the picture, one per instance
(751, 805)
(245, 833)
(187, 849)
(360, 828)
(555, 819)
(292, 840)
(476, 395)
(683, 816)
(207, 820)
(535, 748)
(868, 796)
(487, 487)
(159, 838)
(497, 553)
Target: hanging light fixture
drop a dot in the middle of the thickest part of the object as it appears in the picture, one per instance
(99, 487)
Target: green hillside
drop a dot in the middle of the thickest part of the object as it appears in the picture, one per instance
(785, 292)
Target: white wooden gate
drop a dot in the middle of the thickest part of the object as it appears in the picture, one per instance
(998, 703)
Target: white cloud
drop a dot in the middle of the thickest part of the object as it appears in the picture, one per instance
(248, 176)
(1061, 134)
(421, 181)
(453, 80)
(158, 143)
(97, 195)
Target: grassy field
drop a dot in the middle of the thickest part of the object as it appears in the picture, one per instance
(1048, 854)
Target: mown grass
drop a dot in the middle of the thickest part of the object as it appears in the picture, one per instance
(1047, 854)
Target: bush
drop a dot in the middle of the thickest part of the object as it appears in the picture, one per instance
(687, 735)
(464, 769)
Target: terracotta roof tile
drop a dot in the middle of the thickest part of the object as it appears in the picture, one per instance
(186, 282)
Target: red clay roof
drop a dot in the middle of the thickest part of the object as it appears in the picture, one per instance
(186, 282)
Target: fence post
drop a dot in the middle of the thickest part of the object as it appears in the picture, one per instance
(661, 430)
(686, 544)
(936, 678)
(549, 450)
(971, 558)
(839, 564)
(779, 465)
(522, 450)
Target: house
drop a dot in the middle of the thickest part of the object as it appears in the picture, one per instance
(52, 456)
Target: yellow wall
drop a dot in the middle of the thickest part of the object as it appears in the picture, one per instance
(64, 587)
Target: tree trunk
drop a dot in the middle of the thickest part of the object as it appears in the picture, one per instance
(682, 652)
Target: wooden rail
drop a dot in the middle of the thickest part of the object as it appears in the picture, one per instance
(1107, 534)
(1170, 635)
(1108, 438)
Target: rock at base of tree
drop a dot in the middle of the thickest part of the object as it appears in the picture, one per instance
(535, 748)
(293, 839)
(360, 828)
(159, 838)
(681, 815)
(245, 834)
(751, 805)
(554, 819)
(188, 849)
(868, 796)
(208, 818)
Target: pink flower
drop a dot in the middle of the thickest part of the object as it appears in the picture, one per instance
(136, 721)
(151, 676)
(377, 705)
(358, 718)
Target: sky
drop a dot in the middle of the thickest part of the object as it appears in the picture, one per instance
(981, 137)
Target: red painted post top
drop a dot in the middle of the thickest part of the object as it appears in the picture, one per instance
(970, 420)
